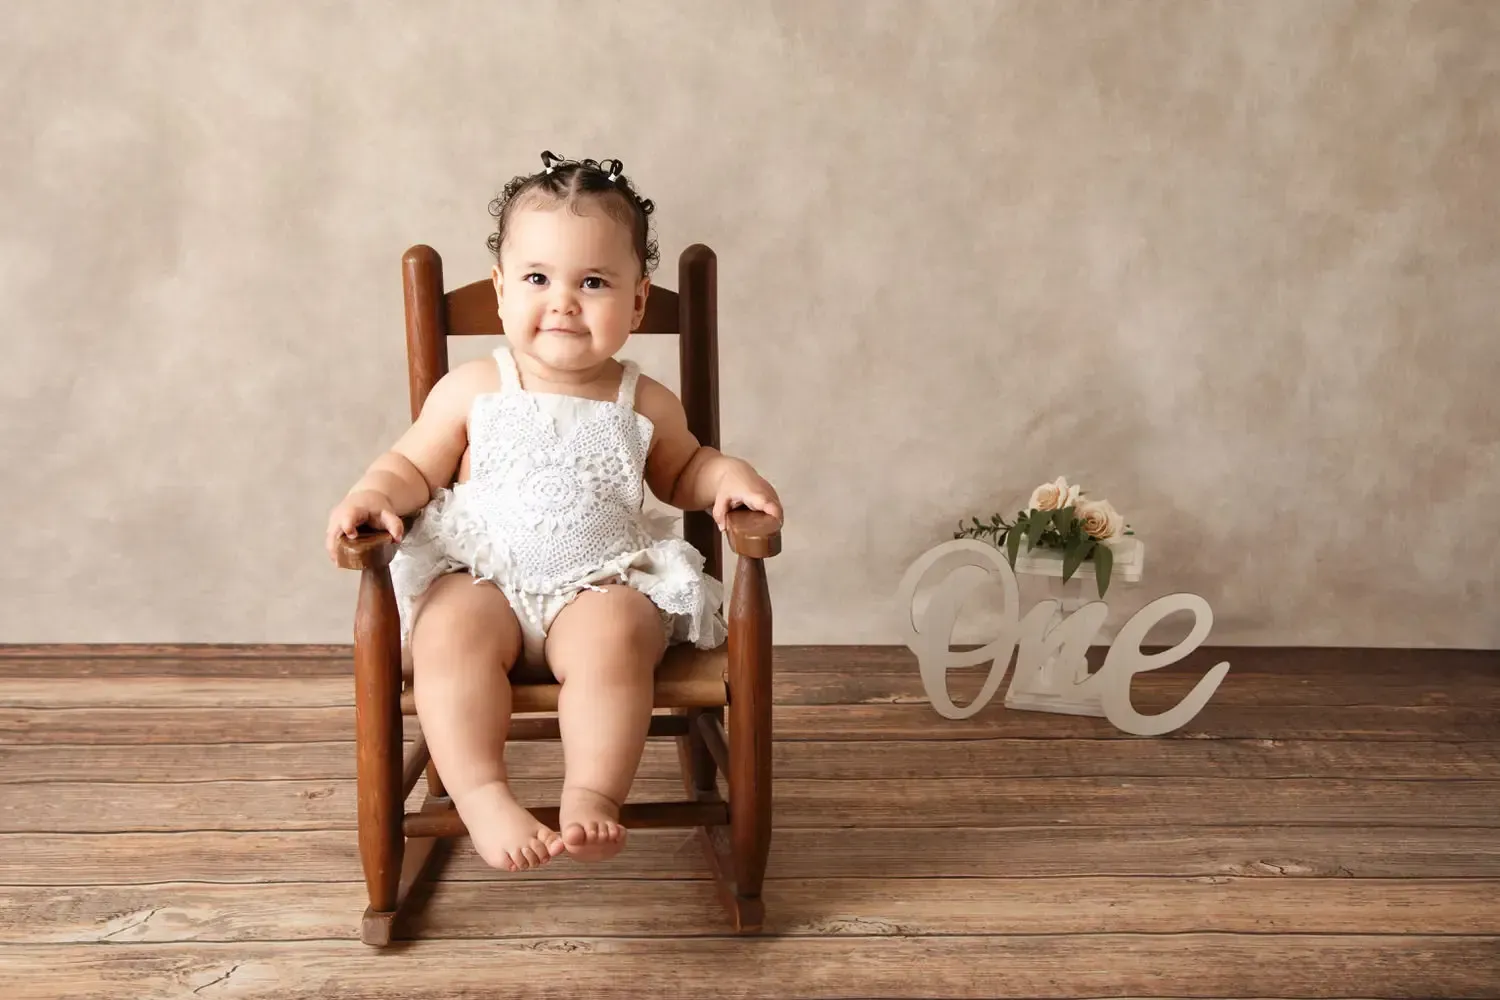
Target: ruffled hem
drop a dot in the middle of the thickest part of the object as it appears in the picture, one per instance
(447, 537)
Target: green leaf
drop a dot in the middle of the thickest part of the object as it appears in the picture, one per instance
(1065, 520)
(1104, 563)
(1037, 525)
(1076, 552)
(1013, 544)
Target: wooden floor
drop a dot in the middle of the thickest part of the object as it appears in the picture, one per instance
(180, 822)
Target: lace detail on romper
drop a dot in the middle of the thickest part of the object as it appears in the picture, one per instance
(554, 506)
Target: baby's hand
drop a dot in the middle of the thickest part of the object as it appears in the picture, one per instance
(743, 487)
(362, 507)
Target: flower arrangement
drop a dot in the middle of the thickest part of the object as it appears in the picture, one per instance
(1059, 518)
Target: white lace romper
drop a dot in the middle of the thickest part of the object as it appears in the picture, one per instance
(554, 506)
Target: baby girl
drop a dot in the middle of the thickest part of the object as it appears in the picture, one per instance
(541, 551)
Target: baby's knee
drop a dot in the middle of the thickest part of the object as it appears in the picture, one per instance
(461, 620)
(592, 633)
(627, 617)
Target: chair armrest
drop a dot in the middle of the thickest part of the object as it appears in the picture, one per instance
(369, 550)
(752, 534)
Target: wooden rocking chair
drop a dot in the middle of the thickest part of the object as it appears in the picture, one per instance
(695, 685)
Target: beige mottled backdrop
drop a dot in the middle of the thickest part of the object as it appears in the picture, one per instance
(1235, 266)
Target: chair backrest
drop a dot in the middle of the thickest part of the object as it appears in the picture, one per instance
(433, 315)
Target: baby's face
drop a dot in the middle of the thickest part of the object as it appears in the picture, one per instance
(569, 285)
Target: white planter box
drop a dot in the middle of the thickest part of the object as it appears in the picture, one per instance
(1130, 560)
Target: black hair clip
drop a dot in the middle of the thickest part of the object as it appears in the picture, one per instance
(613, 168)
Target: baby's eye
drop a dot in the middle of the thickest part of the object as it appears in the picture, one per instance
(541, 279)
(594, 282)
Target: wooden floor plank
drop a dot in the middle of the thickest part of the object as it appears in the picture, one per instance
(88, 807)
(1158, 690)
(1267, 852)
(106, 652)
(912, 852)
(1038, 966)
(305, 855)
(133, 726)
(1468, 680)
(312, 911)
(1411, 669)
(841, 760)
(1216, 721)
(177, 692)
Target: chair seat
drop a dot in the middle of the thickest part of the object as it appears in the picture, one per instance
(687, 677)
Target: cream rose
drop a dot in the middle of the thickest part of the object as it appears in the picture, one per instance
(1054, 495)
(1100, 519)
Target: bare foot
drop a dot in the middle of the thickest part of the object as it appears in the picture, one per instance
(590, 824)
(506, 836)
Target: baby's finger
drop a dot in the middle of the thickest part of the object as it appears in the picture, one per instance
(721, 507)
(762, 502)
(335, 535)
(391, 523)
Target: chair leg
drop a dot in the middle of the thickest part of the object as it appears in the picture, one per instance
(749, 738)
(377, 694)
(435, 786)
(699, 772)
(422, 860)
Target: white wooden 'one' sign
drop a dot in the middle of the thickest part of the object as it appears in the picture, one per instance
(1051, 671)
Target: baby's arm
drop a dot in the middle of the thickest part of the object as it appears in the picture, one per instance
(403, 479)
(692, 476)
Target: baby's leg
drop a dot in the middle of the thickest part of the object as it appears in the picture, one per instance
(464, 641)
(603, 648)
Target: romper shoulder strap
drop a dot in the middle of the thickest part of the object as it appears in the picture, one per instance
(627, 384)
(510, 375)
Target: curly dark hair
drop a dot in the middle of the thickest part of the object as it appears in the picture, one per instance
(569, 180)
